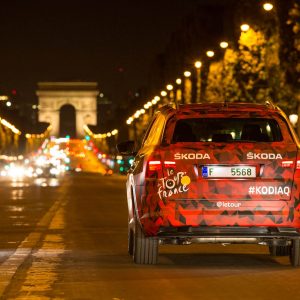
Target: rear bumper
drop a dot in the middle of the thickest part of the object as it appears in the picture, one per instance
(249, 235)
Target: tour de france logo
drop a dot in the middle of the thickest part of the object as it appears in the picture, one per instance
(174, 183)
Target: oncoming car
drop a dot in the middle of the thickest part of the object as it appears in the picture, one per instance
(215, 173)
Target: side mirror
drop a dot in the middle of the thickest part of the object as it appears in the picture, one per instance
(126, 148)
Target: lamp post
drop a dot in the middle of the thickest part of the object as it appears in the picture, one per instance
(178, 92)
(187, 87)
(164, 96)
(223, 45)
(198, 65)
(169, 87)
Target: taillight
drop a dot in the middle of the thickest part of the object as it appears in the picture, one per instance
(287, 163)
(155, 167)
(169, 164)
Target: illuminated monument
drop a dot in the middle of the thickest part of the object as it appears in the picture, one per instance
(82, 96)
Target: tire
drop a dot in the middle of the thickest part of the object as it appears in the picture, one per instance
(295, 253)
(145, 249)
(280, 250)
(130, 240)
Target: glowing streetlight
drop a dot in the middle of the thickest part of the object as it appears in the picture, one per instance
(164, 93)
(187, 73)
(169, 87)
(157, 98)
(8, 104)
(210, 53)
(198, 64)
(293, 119)
(178, 81)
(224, 45)
(245, 27)
(268, 6)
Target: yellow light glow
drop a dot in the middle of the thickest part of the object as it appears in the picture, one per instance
(198, 64)
(223, 45)
(169, 87)
(245, 27)
(187, 73)
(164, 93)
(210, 53)
(268, 6)
(128, 122)
(157, 98)
(142, 111)
(178, 80)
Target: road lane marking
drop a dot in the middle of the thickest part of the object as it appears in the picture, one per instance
(10, 266)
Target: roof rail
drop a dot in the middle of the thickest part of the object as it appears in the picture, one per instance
(270, 103)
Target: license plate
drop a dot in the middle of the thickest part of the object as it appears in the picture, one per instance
(228, 172)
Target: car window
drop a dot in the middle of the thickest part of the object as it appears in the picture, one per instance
(226, 130)
(155, 131)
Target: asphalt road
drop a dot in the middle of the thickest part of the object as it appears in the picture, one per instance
(67, 239)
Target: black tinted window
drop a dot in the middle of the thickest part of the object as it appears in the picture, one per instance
(226, 130)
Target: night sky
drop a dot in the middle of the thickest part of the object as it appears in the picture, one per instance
(84, 40)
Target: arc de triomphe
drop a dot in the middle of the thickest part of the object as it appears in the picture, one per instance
(81, 95)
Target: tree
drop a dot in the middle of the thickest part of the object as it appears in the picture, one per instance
(293, 63)
(231, 89)
(250, 70)
(214, 88)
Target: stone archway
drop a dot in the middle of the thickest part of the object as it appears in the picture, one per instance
(81, 95)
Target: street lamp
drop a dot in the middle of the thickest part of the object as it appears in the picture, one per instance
(268, 6)
(293, 119)
(198, 64)
(178, 81)
(210, 53)
(187, 74)
(245, 27)
(169, 87)
(164, 93)
(224, 45)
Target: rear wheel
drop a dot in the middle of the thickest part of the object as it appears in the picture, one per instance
(145, 249)
(280, 250)
(295, 253)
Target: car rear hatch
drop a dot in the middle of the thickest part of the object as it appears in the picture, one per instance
(230, 165)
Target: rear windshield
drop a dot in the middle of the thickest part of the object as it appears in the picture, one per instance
(226, 130)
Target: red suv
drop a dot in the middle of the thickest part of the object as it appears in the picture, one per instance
(215, 173)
